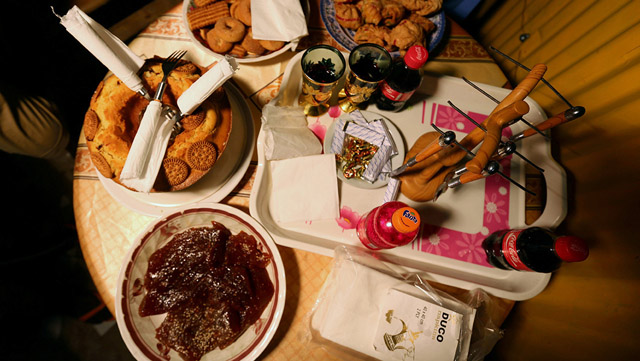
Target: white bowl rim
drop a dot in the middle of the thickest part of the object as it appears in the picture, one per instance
(262, 340)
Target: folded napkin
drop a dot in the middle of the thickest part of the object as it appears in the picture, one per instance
(286, 134)
(147, 150)
(150, 143)
(281, 20)
(105, 46)
(304, 189)
(191, 99)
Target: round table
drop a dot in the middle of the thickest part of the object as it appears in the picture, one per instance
(106, 228)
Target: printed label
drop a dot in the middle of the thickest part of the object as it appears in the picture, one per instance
(510, 251)
(391, 94)
(410, 328)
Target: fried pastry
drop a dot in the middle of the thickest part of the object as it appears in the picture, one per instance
(392, 12)
(369, 33)
(348, 16)
(407, 33)
(371, 11)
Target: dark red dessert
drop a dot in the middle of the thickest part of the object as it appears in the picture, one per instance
(212, 285)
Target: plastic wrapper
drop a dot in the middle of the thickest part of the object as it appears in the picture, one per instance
(369, 310)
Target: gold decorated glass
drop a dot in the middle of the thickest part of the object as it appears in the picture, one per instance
(322, 68)
(369, 64)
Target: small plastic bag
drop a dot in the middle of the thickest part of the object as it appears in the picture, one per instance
(367, 310)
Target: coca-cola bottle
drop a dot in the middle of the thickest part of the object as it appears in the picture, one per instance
(533, 249)
(403, 80)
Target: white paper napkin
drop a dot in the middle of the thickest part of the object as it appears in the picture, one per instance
(281, 20)
(304, 189)
(191, 99)
(105, 46)
(147, 150)
(286, 134)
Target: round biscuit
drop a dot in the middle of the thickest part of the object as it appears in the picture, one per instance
(175, 170)
(101, 165)
(202, 155)
(91, 124)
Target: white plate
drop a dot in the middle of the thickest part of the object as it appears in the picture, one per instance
(461, 217)
(396, 160)
(187, 5)
(138, 332)
(213, 186)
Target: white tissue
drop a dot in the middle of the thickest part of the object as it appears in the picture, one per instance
(304, 189)
(105, 46)
(281, 20)
(147, 150)
(286, 134)
(191, 99)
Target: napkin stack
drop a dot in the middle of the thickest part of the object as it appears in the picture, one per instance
(304, 189)
(281, 20)
(150, 143)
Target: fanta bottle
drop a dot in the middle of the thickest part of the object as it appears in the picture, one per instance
(390, 225)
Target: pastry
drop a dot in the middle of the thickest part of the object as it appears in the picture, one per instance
(348, 16)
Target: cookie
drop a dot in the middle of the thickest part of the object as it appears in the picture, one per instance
(202, 155)
(101, 165)
(241, 10)
(91, 124)
(216, 43)
(193, 121)
(175, 170)
(252, 45)
(204, 16)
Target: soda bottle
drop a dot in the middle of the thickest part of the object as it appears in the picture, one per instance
(403, 80)
(533, 249)
(390, 225)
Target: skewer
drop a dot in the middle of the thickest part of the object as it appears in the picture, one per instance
(440, 191)
(527, 69)
(485, 130)
(444, 140)
(473, 85)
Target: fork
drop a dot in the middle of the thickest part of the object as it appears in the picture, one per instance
(167, 66)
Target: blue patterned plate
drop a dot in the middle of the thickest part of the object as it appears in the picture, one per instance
(344, 36)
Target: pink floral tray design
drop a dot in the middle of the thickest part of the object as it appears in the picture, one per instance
(449, 248)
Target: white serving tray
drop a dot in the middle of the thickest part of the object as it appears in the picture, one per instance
(464, 212)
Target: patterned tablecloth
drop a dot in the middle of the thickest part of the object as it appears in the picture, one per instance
(106, 228)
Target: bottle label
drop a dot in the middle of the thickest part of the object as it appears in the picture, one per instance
(394, 95)
(510, 251)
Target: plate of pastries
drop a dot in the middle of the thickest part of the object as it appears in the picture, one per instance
(395, 25)
(207, 154)
(221, 27)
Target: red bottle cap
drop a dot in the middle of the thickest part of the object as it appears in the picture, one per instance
(416, 56)
(405, 220)
(571, 249)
